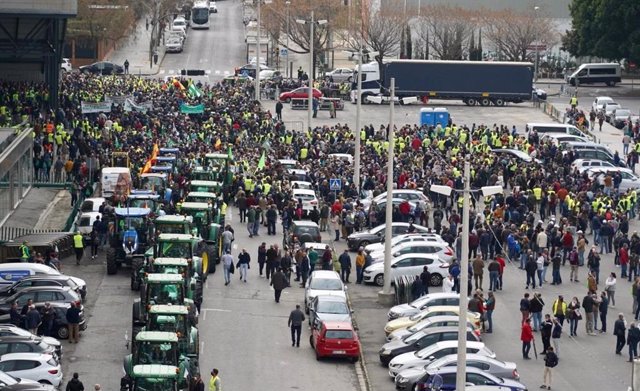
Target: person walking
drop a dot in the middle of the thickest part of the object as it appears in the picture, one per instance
(251, 219)
(526, 336)
(603, 306)
(536, 305)
(556, 333)
(95, 243)
(25, 252)
(198, 384)
(574, 315)
(525, 306)
(227, 266)
(345, 266)
(425, 277)
(243, 264)
(214, 382)
(48, 316)
(545, 332)
(279, 107)
(591, 282)
(304, 266)
(587, 305)
(489, 305)
(271, 255)
(360, 260)
(278, 282)
(633, 337)
(296, 317)
(531, 267)
(75, 384)
(478, 271)
(262, 257)
(619, 328)
(550, 362)
(494, 275)
(227, 239)
(73, 319)
(78, 246)
(559, 309)
(33, 319)
(610, 288)
(448, 284)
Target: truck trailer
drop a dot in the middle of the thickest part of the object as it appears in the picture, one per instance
(474, 82)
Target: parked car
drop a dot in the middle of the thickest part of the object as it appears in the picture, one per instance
(505, 369)
(43, 368)
(558, 138)
(585, 164)
(599, 102)
(270, 74)
(323, 282)
(407, 238)
(299, 93)
(434, 321)
(377, 234)
(102, 68)
(38, 280)
(40, 294)
(302, 231)
(340, 75)
(213, 8)
(408, 321)
(540, 93)
(173, 45)
(515, 153)
(442, 250)
(629, 180)
(308, 197)
(422, 303)
(620, 117)
(475, 376)
(12, 383)
(421, 340)
(410, 265)
(329, 308)
(65, 65)
(335, 339)
(422, 358)
(414, 196)
(30, 344)
(609, 108)
(84, 223)
(10, 330)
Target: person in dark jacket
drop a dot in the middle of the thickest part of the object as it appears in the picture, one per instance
(73, 318)
(545, 333)
(305, 268)
(279, 282)
(633, 338)
(198, 384)
(345, 266)
(602, 308)
(48, 316)
(619, 332)
(296, 317)
(425, 277)
(75, 384)
(530, 267)
(33, 319)
(14, 315)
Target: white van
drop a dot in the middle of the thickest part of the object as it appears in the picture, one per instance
(16, 271)
(553, 127)
(607, 73)
(115, 180)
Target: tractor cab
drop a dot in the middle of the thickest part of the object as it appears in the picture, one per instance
(208, 186)
(130, 237)
(220, 163)
(147, 199)
(151, 377)
(163, 288)
(199, 173)
(167, 161)
(153, 347)
(172, 224)
(192, 276)
(176, 319)
(202, 196)
(120, 159)
(158, 182)
(201, 214)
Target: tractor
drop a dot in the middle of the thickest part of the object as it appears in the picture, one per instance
(143, 199)
(160, 348)
(208, 186)
(158, 182)
(199, 173)
(202, 196)
(186, 246)
(207, 223)
(184, 267)
(130, 237)
(158, 288)
(152, 377)
(174, 319)
(172, 224)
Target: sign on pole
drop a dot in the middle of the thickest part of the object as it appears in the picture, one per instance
(284, 52)
(335, 184)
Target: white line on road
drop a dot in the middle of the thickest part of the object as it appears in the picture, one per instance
(201, 347)
(215, 310)
(162, 71)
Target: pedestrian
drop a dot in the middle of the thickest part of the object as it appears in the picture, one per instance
(126, 67)
(574, 315)
(304, 267)
(315, 104)
(559, 309)
(15, 318)
(345, 266)
(332, 109)
(478, 271)
(536, 305)
(214, 382)
(243, 264)
(490, 305)
(633, 337)
(550, 362)
(227, 239)
(25, 252)
(278, 282)
(73, 319)
(556, 333)
(75, 384)
(531, 267)
(494, 275)
(335, 225)
(603, 307)
(251, 219)
(610, 288)
(591, 282)
(279, 107)
(448, 284)
(33, 319)
(416, 288)
(525, 306)
(587, 306)
(574, 263)
(95, 243)
(296, 317)
(556, 279)
(619, 328)
(360, 260)
(98, 387)
(272, 219)
(425, 277)
(526, 336)
(262, 256)
(78, 246)
(593, 262)
(198, 384)
(545, 332)
(227, 266)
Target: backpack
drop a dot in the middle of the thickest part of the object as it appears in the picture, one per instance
(552, 360)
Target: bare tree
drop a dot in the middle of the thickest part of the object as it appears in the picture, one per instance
(513, 32)
(448, 30)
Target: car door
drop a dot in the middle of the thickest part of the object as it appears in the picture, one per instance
(8, 366)
(420, 263)
(479, 364)
(21, 368)
(629, 181)
(426, 341)
(402, 268)
(48, 296)
(479, 380)
(23, 297)
(448, 336)
(21, 347)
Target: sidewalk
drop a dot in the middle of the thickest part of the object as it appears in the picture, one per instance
(135, 48)
(42, 208)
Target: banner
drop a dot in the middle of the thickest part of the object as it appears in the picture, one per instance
(187, 109)
(130, 105)
(95, 107)
(117, 99)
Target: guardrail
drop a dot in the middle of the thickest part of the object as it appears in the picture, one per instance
(295, 126)
(561, 116)
(10, 233)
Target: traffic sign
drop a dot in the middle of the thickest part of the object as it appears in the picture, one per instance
(335, 184)
(284, 51)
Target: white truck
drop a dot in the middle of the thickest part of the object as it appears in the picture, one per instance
(115, 181)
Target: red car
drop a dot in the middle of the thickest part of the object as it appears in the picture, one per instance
(299, 93)
(335, 339)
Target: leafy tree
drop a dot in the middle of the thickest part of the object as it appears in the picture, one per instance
(604, 28)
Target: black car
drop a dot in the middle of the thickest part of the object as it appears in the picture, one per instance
(41, 294)
(60, 328)
(102, 68)
(55, 280)
(376, 235)
(302, 232)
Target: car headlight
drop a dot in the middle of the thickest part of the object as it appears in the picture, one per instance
(385, 352)
(400, 379)
(394, 365)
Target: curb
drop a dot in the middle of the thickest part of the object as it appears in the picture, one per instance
(361, 368)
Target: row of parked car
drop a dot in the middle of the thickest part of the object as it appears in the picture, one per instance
(422, 347)
(29, 361)
(613, 112)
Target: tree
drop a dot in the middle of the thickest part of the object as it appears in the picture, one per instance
(450, 29)
(604, 28)
(475, 52)
(513, 32)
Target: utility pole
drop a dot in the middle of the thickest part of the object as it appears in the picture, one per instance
(257, 87)
(311, 75)
(461, 374)
(287, 71)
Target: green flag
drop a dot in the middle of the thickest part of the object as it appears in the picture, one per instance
(229, 153)
(193, 91)
(261, 162)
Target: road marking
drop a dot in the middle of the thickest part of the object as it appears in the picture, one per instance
(217, 72)
(162, 71)
(201, 346)
(208, 71)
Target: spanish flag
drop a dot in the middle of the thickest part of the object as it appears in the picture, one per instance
(178, 85)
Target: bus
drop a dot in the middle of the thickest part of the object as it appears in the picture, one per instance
(200, 15)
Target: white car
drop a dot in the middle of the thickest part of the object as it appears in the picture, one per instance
(66, 65)
(43, 368)
(431, 353)
(323, 282)
(308, 197)
(586, 164)
(407, 238)
(421, 303)
(434, 321)
(415, 196)
(442, 250)
(410, 265)
(629, 180)
(288, 163)
(213, 8)
(302, 185)
(8, 330)
(84, 223)
(7, 380)
(609, 108)
(599, 102)
(559, 138)
(340, 75)
(174, 45)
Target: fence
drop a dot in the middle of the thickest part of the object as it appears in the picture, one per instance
(10, 233)
(561, 116)
(295, 126)
(402, 286)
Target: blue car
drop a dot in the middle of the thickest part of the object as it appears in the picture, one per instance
(445, 378)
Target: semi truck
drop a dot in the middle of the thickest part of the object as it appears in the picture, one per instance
(474, 82)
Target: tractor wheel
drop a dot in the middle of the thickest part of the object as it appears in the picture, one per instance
(136, 265)
(213, 257)
(112, 263)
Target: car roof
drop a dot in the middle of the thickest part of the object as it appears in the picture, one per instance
(333, 325)
(325, 274)
(304, 223)
(47, 288)
(454, 343)
(156, 336)
(25, 356)
(442, 329)
(455, 369)
(315, 245)
(57, 277)
(417, 255)
(196, 205)
(304, 191)
(340, 299)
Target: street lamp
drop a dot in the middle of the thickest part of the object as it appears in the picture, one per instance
(286, 67)
(311, 23)
(535, 9)
(258, 47)
(487, 191)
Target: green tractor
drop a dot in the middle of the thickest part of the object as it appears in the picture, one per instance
(174, 319)
(202, 196)
(207, 223)
(200, 174)
(207, 186)
(152, 377)
(160, 348)
(184, 267)
(158, 288)
(129, 241)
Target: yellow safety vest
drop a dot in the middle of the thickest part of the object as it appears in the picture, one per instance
(303, 153)
(78, 241)
(537, 192)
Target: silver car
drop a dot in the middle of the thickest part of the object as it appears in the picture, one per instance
(174, 45)
(434, 321)
(330, 308)
(340, 75)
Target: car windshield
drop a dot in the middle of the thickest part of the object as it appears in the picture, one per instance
(163, 293)
(151, 183)
(332, 307)
(413, 337)
(339, 334)
(620, 113)
(170, 323)
(153, 384)
(417, 317)
(307, 230)
(424, 353)
(175, 249)
(304, 196)
(326, 284)
(157, 353)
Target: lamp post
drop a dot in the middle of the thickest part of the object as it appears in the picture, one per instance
(356, 157)
(461, 373)
(286, 68)
(258, 49)
(312, 24)
(385, 296)
(535, 9)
